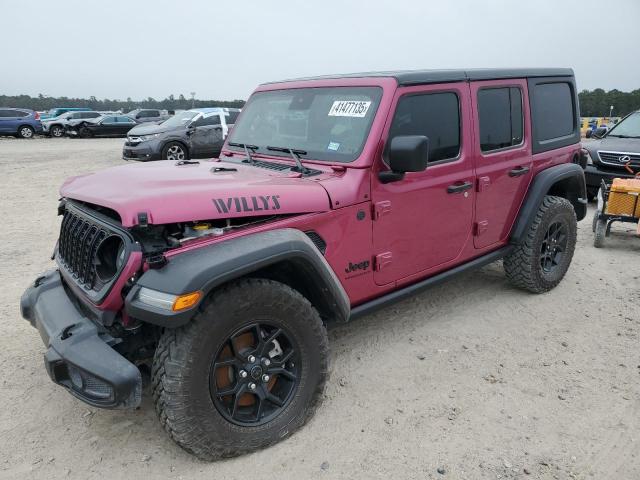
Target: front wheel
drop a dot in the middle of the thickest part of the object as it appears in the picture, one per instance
(174, 151)
(84, 132)
(246, 372)
(542, 259)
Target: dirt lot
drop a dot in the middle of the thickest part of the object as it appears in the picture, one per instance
(472, 377)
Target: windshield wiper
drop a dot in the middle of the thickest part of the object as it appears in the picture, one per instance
(246, 147)
(295, 154)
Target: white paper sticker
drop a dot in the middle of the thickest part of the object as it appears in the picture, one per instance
(349, 108)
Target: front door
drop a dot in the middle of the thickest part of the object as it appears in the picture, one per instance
(503, 156)
(423, 222)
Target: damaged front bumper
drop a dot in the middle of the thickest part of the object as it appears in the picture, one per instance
(79, 353)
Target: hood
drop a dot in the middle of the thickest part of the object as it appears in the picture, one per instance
(151, 128)
(169, 193)
(614, 144)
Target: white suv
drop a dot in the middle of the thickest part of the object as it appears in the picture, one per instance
(55, 127)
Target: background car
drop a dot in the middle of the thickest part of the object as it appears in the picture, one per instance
(613, 153)
(144, 115)
(20, 122)
(56, 112)
(196, 133)
(102, 126)
(56, 126)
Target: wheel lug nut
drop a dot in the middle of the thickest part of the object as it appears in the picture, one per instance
(266, 361)
(252, 386)
(251, 359)
(265, 378)
(243, 374)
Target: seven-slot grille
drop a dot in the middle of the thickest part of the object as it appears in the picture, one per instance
(614, 158)
(77, 247)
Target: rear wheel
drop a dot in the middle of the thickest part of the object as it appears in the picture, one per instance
(25, 131)
(174, 151)
(56, 131)
(246, 372)
(542, 259)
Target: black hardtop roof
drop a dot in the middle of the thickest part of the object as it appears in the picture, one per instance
(420, 77)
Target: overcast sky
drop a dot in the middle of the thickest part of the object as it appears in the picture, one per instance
(222, 50)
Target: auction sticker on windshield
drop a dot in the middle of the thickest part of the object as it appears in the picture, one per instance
(349, 108)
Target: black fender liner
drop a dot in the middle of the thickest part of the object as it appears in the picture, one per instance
(565, 180)
(208, 267)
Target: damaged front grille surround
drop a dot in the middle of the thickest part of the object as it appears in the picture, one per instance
(83, 234)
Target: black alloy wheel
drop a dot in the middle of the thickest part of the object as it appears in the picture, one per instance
(255, 374)
(553, 246)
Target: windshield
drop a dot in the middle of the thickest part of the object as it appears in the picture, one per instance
(629, 127)
(179, 119)
(326, 123)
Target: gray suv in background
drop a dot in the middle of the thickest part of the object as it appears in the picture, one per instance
(196, 133)
(144, 115)
(56, 126)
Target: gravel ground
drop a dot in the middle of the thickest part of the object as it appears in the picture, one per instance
(471, 379)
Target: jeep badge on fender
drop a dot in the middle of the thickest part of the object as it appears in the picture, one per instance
(228, 303)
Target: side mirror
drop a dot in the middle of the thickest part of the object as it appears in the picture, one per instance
(407, 153)
(190, 130)
(599, 132)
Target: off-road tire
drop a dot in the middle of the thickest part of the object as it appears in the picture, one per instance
(522, 266)
(599, 233)
(167, 150)
(183, 359)
(25, 131)
(56, 128)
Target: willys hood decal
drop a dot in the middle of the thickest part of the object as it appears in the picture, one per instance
(169, 193)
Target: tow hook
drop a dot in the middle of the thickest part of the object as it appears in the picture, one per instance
(66, 332)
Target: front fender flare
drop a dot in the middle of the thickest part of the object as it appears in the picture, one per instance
(208, 267)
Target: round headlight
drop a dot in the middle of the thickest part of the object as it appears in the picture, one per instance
(109, 257)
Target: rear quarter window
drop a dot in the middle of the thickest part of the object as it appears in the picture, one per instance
(554, 113)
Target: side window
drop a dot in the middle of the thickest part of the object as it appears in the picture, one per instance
(210, 120)
(6, 113)
(231, 117)
(435, 115)
(124, 120)
(109, 120)
(554, 112)
(500, 116)
(90, 115)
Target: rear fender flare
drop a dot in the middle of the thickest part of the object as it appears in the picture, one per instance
(566, 181)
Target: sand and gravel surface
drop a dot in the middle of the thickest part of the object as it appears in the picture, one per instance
(470, 380)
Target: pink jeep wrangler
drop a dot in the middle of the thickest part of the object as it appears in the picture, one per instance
(333, 196)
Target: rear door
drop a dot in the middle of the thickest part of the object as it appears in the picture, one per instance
(503, 156)
(423, 222)
(7, 120)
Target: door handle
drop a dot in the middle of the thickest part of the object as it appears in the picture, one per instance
(518, 171)
(459, 187)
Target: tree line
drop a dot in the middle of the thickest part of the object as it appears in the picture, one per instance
(593, 103)
(43, 103)
(596, 103)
